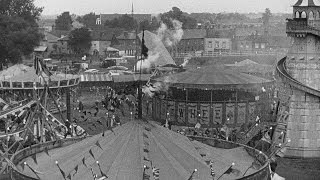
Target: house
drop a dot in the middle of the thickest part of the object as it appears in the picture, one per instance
(126, 43)
(218, 41)
(101, 40)
(50, 41)
(191, 41)
(254, 43)
(63, 47)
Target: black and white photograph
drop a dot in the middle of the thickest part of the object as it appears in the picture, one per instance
(159, 89)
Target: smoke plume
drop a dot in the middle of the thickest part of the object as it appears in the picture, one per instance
(171, 37)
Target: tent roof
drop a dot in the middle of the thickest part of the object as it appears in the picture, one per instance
(212, 78)
(155, 46)
(22, 73)
(124, 154)
(40, 48)
(111, 49)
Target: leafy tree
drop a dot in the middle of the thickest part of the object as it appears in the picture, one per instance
(126, 22)
(80, 40)
(19, 32)
(266, 17)
(64, 22)
(88, 20)
(177, 14)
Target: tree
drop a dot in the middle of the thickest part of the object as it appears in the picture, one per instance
(19, 32)
(177, 14)
(88, 20)
(266, 17)
(64, 22)
(125, 21)
(80, 40)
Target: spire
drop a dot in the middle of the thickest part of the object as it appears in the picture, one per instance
(306, 3)
(132, 9)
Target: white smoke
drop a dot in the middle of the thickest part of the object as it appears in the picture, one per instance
(146, 64)
(171, 37)
(152, 89)
(186, 61)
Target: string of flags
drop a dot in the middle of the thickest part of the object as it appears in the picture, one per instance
(63, 173)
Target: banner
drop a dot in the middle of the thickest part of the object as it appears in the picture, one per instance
(252, 116)
(182, 112)
(205, 114)
(217, 113)
(230, 108)
(192, 113)
(163, 109)
(171, 110)
(241, 113)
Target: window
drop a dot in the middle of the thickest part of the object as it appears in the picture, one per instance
(256, 45)
(263, 45)
(210, 44)
(217, 44)
(224, 45)
(241, 45)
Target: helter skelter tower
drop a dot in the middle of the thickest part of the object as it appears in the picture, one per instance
(299, 73)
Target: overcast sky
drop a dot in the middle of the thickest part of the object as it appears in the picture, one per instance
(81, 7)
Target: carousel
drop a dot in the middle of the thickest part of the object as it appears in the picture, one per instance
(30, 103)
(140, 150)
(211, 96)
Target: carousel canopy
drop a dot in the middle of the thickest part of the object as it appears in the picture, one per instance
(212, 78)
(123, 154)
(20, 76)
(156, 47)
(248, 66)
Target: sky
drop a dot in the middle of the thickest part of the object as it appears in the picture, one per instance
(80, 7)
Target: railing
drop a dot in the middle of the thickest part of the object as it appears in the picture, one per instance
(261, 158)
(301, 26)
(232, 53)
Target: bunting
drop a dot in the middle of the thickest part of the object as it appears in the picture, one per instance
(62, 172)
(69, 176)
(91, 153)
(46, 151)
(98, 144)
(83, 161)
(34, 157)
(33, 171)
(22, 166)
(76, 169)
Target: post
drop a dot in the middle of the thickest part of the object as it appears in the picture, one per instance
(140, 100)
(68, 104)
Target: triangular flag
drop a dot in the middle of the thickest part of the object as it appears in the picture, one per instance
(34, 171)
(146, 143)
(98, 144)
(90, 151)
(62, 173)
(145, 159)
(69, 176)
(46, 151)
(83, 161)
(76, 169)
(22, 166)
(145, 150)
(34, 157)
(144, 135)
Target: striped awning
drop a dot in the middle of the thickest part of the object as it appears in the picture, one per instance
(94, 77)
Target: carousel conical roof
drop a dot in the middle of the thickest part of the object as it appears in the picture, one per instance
(211, 78)
(124, 154)
(24, 74)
